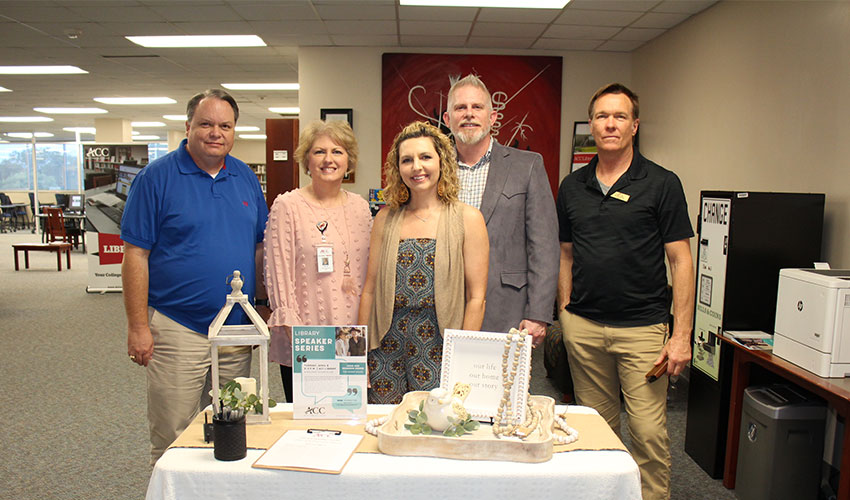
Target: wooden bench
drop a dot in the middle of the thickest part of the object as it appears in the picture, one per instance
(42, 247)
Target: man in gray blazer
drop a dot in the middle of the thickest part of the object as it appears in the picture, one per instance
(512, 191)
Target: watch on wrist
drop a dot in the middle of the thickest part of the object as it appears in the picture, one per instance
(261, 302)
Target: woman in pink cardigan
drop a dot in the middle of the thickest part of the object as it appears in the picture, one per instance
(317, 243)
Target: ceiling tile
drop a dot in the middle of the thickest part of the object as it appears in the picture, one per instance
(437, 13)
(354, 11)
(34, 11)
(562, 44)
(642, 34)
(276, 28)
(659, 20)
(364, 40)
(178, 11)
(362, 27)
(442, 28)
(508, 30)
(684, 6)
(500, 42)
(620, 46)
(626, 5)
(271, 11)
(576, 32)
(125, 28)
(597, 17)
(499, 15)
(102, 13)
(432, 41)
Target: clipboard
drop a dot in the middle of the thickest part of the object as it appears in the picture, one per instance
(325, 451)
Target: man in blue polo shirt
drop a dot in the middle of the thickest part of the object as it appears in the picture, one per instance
(619, 216)
(191, 219)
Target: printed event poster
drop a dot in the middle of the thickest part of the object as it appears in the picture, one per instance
(329, 372)
(711, 284)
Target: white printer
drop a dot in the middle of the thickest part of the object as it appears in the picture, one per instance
(812, 327)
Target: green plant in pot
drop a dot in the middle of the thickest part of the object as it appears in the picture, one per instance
(229, 422)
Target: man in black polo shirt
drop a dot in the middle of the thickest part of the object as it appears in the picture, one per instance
(619, 216)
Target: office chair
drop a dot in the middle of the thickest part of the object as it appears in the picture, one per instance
(6, 213)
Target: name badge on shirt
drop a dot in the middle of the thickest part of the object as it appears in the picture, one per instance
(621, 196)
(325, 258)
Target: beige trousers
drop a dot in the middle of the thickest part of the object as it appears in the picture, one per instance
(605, 360)
(178, 377)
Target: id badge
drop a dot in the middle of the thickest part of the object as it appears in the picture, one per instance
(325, 258)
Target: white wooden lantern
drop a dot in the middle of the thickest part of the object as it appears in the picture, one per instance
(257, 333)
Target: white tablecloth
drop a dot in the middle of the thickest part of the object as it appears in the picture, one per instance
(186, 473)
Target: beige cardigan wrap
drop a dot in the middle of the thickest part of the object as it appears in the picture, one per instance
(449, 291)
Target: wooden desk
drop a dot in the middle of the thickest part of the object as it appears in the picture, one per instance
(836, 391)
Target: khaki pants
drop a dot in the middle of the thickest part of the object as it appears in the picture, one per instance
(605, 359)
(178, 378)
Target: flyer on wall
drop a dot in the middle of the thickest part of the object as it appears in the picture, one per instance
(329, 371)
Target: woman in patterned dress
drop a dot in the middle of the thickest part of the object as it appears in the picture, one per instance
(427, 270)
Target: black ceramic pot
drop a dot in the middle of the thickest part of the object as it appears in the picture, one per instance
(229, 438)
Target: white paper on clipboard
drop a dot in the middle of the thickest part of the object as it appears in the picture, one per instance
(313, 450)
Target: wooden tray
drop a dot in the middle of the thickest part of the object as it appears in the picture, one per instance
(394, 439)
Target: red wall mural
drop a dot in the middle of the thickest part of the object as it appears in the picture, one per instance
(526, 93)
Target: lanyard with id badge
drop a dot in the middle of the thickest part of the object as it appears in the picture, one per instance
(324, 250)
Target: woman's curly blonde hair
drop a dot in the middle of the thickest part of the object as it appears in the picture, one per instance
(396, 192)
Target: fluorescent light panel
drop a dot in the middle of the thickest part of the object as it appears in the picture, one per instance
(261, 86)
(82, 130)
(247, 128)
(135, 100)
(71, 111)
(146, 124)
(25, 119)
(198, 41)
(41, 70)
(286, 111)
(176, 118)
(4, 89)
(28, 135)
(252, 136)
(515, 4)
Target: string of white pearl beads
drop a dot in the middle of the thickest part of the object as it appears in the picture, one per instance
(572, 434)
(373, 425)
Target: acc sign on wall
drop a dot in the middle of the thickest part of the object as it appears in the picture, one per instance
(106, 253)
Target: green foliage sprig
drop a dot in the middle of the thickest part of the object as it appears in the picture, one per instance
(419, 424)
(235, 403)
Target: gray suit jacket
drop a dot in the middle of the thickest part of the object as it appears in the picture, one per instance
(523, 229)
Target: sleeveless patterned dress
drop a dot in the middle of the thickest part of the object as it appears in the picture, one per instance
(411, 352)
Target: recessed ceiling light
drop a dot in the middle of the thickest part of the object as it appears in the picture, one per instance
(28, 135)
(71, 111)
(41, 70)
(517, 4)
(4, 89)
(246, 128)
(135, 100)
(146, 124)
(25, 119)
(145, 137)
(261, 86)
(252, 136)
(82, 130)
(198, 41)
(286, 111)
(176, 118)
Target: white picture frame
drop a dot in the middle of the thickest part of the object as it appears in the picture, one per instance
(475, 358)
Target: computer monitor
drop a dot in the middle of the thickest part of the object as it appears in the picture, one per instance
(76, 202)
